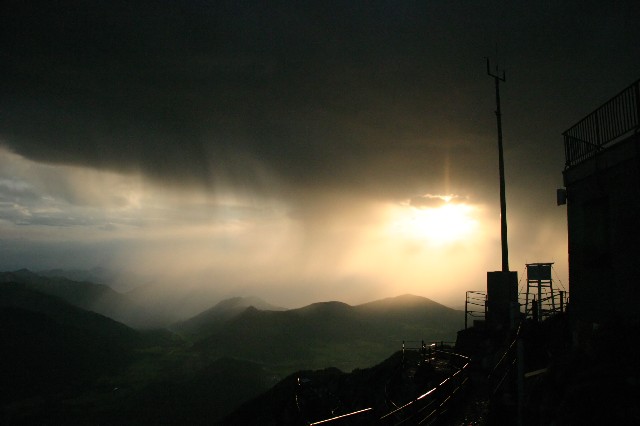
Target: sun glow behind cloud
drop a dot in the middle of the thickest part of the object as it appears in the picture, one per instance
(334, 246)
(445, 224)
(434, 247)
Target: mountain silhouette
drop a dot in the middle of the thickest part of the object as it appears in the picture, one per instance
(87, 295)
(214, 318)
(51, 347)
(328, 333)
(63, 364)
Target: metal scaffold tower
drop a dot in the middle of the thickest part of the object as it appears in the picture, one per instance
(540, 299)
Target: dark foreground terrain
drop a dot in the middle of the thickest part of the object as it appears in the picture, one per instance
(62, 364)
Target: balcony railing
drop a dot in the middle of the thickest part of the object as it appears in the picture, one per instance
(616, 118)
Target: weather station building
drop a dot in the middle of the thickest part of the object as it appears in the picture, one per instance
(602, 195)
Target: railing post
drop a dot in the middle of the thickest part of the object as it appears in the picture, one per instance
(520, 380)
(636, 92)
(485, 311)
(466, 311)
(403, 353)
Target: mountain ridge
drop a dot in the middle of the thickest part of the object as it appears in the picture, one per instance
(51, 346)
(99, 298)
(326, 334)
(222, 312)
(59, 350)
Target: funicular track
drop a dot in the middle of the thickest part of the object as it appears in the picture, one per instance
(421, 389)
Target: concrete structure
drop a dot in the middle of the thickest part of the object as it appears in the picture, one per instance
(502, 300)
(602, 180)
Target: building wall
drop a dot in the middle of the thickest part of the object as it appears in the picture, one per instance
(603, 213)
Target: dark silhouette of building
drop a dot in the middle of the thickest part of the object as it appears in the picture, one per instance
(602, 194)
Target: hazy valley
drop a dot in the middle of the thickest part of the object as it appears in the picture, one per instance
(70, 357)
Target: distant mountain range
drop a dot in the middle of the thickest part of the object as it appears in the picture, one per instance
(216, 317)
(68, 357)
(98, 298)
(64, 365)
(50, 346)
(329, 333)
(96, 275)
(144, 307)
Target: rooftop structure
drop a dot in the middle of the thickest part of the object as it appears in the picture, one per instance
(602, 180)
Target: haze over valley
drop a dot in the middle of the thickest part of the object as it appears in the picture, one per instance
(69, 359)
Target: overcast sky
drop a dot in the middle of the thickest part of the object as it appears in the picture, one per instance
(297, 151)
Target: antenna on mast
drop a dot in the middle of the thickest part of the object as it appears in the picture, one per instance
(503, 202)
(497, 74)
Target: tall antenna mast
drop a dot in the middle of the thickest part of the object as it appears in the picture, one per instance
(503, 202)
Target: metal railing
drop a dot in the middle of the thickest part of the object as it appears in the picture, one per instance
(425, 408)
(342, 417)
(430, 405)
(475, 306)
(505, 365)
(617, 117)
(551, 303)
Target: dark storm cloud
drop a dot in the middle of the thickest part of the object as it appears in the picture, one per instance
(371, 95)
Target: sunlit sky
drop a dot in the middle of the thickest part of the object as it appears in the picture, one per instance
(301, 151)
